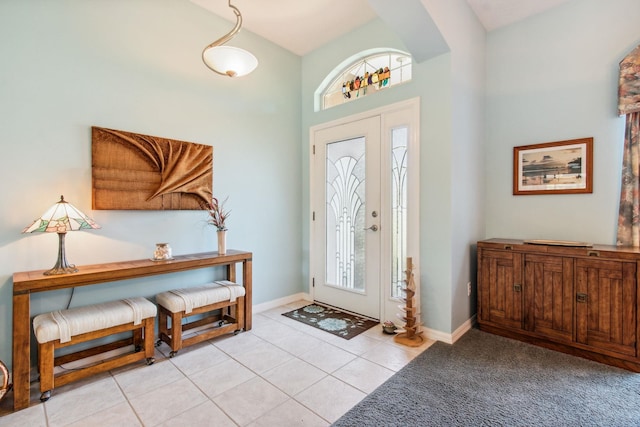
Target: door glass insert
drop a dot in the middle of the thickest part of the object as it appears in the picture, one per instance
(345, 214)
(399, 138)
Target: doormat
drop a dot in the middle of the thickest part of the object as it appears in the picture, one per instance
(331, 320)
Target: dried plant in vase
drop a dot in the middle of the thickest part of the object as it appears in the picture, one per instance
(217, 214)
(218, 217)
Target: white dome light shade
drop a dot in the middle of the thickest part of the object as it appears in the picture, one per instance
(229, 60)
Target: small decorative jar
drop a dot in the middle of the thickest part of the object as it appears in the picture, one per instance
(388, 327)
(162, 252)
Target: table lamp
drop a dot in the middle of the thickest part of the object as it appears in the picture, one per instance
(60, 218)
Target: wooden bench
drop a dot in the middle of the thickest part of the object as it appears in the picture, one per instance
(219, 304)
(63, 328)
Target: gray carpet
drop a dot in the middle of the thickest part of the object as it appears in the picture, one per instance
(487, 380)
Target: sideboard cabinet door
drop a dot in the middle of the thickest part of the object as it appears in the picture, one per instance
(606, 305)
(500, 289)
(549, 296)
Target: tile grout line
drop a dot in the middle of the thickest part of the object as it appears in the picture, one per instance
(126, 398)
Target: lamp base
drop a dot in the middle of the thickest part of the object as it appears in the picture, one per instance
(62, 266)
(61, 270)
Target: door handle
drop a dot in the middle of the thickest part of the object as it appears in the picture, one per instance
(372, 228)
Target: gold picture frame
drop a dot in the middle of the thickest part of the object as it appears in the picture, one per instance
(562, 167)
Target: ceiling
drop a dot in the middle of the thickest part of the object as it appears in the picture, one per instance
(301, 26)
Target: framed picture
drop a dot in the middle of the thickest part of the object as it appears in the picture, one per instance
(562, 167)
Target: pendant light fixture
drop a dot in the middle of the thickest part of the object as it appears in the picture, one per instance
(228, 60)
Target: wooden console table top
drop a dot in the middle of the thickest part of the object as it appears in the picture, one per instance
(27, 282)
(36, 281)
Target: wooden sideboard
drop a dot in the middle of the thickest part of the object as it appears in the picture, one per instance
(578, 300)
(28, 282)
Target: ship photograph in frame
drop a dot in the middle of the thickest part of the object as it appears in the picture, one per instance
(562, 167)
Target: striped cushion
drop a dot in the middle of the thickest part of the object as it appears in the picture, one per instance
(186, 299)
(64, 324)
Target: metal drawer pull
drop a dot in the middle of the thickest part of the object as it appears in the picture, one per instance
(593, 253)
(581, 297)
(517, 287)
(508, 247)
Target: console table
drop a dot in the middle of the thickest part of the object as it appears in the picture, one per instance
(28, 282)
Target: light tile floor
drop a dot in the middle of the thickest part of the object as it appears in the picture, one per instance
(281, 373)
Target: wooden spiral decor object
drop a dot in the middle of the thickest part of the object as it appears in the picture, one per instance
(4, 381)
(412, 335)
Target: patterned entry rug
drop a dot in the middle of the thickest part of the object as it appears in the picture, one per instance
(331, 320)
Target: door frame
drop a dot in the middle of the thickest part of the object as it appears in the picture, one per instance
(391, 116)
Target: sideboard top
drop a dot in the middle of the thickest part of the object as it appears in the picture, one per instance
(521, 245)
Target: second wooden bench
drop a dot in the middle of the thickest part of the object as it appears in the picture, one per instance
(219, 304)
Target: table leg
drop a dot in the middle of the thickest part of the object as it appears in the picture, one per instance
(231, 272)
(246, 281)
(21, 351)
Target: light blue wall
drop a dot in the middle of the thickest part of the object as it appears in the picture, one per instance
(449, 85)
(466, 37)
(135, 66)
(431, 81)
(553, 78)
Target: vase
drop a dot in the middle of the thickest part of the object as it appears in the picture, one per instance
(222, 242)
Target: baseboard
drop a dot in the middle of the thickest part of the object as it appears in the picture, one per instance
(435, 335)
(281, 301)
(431, 334)
(464, 328)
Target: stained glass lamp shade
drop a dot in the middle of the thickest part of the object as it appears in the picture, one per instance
(60, 218)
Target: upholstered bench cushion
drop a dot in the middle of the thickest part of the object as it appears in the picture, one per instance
(63, 324)
(185, 300)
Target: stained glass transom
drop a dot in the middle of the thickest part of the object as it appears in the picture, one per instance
(367, 75)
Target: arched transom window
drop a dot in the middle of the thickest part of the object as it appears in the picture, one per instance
(363, 74)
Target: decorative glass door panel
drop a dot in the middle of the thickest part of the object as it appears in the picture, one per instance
(399, 140)
(345, 214)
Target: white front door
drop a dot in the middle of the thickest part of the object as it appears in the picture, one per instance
(347, 167)
(364, 203)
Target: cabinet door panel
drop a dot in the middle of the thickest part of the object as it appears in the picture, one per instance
(500, 289)
(549, 292)
(606, 305)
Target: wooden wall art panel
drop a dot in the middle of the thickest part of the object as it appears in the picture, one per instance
(141, 172)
